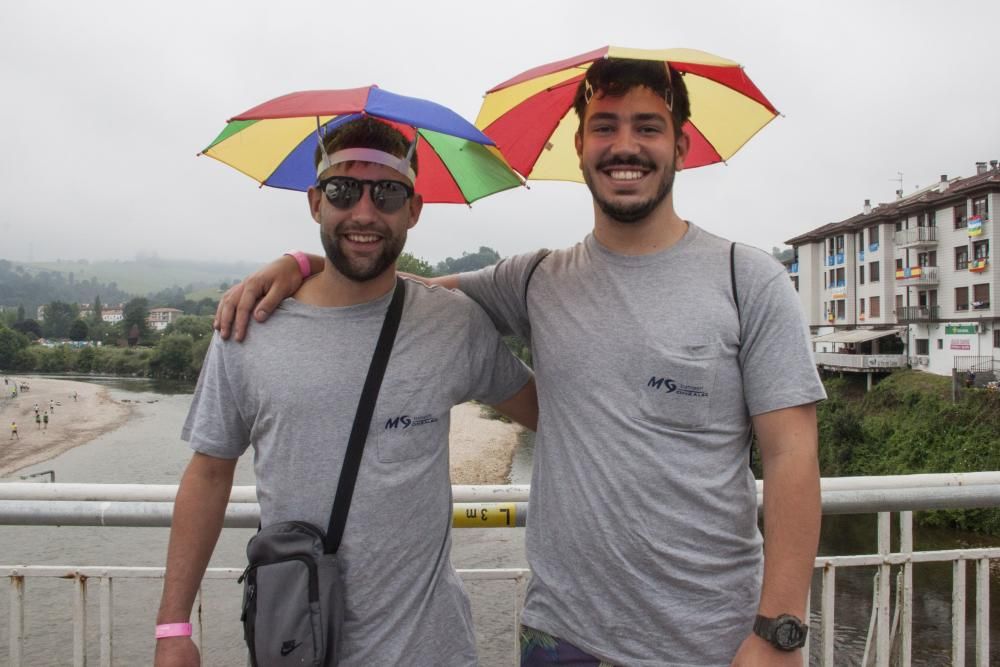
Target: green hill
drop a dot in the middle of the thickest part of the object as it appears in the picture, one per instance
(146, 275)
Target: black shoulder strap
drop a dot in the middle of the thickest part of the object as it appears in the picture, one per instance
(732, 279)
(538, 260)
(363, 419)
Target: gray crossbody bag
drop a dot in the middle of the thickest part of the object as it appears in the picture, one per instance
(293, 593)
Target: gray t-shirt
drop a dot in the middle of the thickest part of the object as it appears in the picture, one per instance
(642, 536)
(291, 391)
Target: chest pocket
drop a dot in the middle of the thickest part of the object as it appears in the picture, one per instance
(677, 385)
(413, 422)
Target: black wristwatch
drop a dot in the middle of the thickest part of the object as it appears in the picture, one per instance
(785, 633)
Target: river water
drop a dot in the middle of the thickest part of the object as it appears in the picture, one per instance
(147, 449)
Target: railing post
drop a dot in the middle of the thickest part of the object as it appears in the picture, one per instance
(826, 609)
(80, 621)
(906, 617)
(107, 624)
(882, 643)
(16, 647)
(958, 613)
(983, 612)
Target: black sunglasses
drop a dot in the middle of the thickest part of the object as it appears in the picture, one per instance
(343, 192)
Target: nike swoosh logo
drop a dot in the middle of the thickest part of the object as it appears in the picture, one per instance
(288, 647)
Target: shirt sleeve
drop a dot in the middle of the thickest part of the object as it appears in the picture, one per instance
(495, 374)
(214, 424)
(501, 291)
(779, 370)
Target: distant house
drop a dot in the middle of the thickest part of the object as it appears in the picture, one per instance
(113, 315)
(159, 318)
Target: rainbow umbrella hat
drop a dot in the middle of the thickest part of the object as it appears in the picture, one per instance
(273, 143)
(531, 118)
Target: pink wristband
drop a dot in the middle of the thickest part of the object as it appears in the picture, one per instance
(173, 630)
(304, 268)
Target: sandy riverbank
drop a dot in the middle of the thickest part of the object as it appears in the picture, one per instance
(71, 422)
(481, 449)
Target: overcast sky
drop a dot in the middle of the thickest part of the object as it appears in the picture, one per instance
(105, 105)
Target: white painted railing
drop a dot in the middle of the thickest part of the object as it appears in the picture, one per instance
(860, 361)
(891, 625)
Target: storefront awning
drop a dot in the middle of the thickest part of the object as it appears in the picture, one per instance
(853, 336)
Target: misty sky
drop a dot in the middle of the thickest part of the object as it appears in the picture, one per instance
(105, 105)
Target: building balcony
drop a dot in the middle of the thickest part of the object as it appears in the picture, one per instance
(794, 267)
(918, 275)
(861, 255)
(917, 313)
(834, 260)
(978, 265)
(859, 361)
(914, 238)
(873, 248)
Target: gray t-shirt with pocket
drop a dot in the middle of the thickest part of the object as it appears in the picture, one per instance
(642, 534)
(291, 391)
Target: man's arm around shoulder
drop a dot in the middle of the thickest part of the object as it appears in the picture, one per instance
(522, 407)
(788, 443)
(199, 510)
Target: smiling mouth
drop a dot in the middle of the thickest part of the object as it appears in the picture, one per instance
(363, 238)
(625, 174)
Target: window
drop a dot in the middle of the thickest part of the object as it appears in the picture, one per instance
(795, 283)
(874, 307)
(899, 226)
(961, 298)
(981, 249)
(996, 338)
(872, 235)
(873, 276)
(961, 219)
(899, 264)
(840, 243)
(961, 258)
(840, 278)
(861, 306)
(927, 258)
(841, 309)
(981, 296)
(923, 346)
(861, 274)
(980, 207)
(899, 302)
(932, 218)
(940, 343)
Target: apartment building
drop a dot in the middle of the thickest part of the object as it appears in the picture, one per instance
(908, 282)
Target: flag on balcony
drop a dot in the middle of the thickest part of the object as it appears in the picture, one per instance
(975, 225)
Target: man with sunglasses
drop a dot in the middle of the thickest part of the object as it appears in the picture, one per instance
(643, 538)
(291, 392)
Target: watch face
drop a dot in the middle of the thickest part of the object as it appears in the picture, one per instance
(789, 634)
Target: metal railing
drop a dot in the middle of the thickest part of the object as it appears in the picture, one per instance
(860, 361)
(918, 235)
(891, 623)
(917, 313)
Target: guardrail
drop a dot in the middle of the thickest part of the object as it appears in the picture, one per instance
(860, 361)
(891, 624)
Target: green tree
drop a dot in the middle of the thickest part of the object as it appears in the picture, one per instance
(20, 312)
(28, 328)
(134, 315)
(172, 358)
(59, 316)
(78, 330)
(11, 342)
(469, 261)
(96, 317)
(407, 263)
(197, 327)
(86, 360)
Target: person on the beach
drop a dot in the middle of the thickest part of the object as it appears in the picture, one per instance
(13, 431)
(38, 421)
(36, 409)
(292, 391)
(643, 538)
(45, 421)
(52, 406)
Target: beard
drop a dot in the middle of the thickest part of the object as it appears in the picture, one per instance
(638, 211)
(361, 269)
